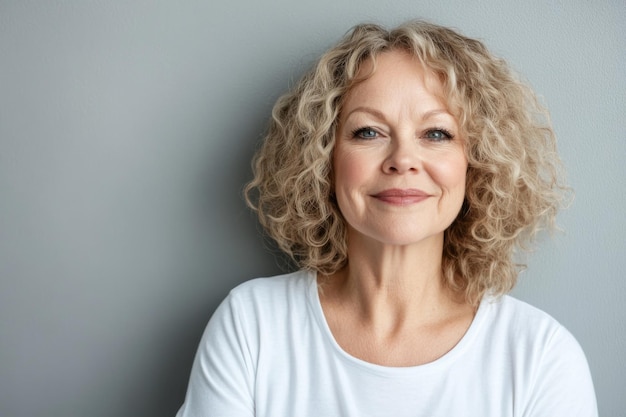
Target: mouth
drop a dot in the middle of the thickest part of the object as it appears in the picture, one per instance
(401, 196)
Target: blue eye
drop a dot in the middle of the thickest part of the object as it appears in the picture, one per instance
(365, 133)
(438, 134)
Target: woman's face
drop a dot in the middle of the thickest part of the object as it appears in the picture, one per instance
(399, 161)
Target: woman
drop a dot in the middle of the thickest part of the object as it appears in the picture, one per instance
(401, 174)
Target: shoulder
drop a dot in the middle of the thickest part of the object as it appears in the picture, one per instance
(534, 325)
(517, 309)
(266, 299)
(521, 320)
(533, 333)
(530, 337)
(256, 308)
(226, 364)
(548, 360)
(273, 288)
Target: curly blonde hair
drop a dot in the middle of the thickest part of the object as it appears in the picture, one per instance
(514, 182)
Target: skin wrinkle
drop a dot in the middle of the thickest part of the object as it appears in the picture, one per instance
(514, 178)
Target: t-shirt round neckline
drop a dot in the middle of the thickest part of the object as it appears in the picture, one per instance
(435, 366)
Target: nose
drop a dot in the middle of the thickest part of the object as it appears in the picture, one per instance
(403, 157)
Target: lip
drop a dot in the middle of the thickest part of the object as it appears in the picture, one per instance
(401, 196)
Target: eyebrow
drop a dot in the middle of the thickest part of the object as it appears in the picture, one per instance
(369, 110)
(378, 114)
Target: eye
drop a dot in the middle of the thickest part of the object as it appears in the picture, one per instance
(364, 133)
(438, 135)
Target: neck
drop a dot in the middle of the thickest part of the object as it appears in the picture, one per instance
(388, 284)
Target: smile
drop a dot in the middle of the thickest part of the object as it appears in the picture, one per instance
(401, 196)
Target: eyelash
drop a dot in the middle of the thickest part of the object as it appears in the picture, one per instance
(446, 133)
(357, 133)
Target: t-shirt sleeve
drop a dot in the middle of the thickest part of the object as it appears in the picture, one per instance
(222, 376)
(562, 385)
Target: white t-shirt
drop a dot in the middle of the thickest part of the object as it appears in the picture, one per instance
(268, 352)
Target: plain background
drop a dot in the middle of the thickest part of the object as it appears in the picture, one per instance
(126, 130)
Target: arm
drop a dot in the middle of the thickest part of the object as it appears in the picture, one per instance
(562, 384)
(222, 376)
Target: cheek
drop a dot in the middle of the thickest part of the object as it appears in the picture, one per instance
(451, 174)
(348, 170)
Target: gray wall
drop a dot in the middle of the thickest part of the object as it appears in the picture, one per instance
(126, 130)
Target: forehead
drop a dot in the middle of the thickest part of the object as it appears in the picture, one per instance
(396, 78)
